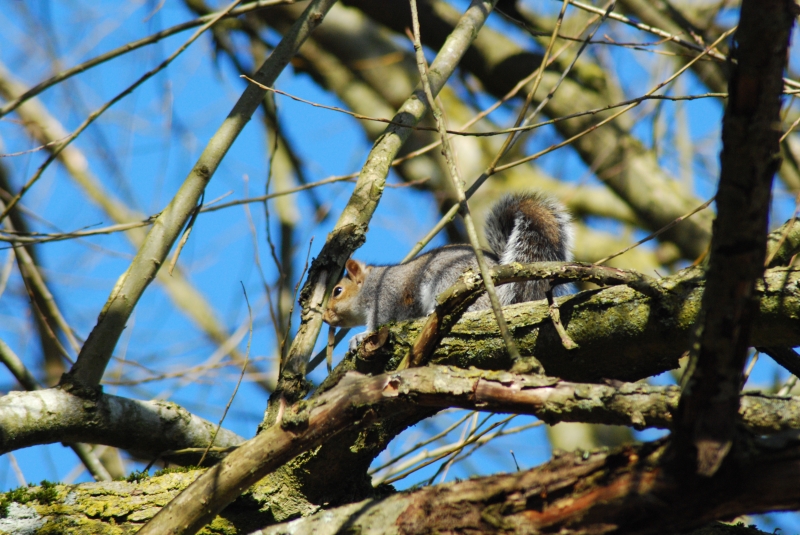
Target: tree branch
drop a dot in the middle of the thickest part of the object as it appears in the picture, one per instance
(626, 491)
(454, 301)
(623, 334)
(750, 156)
(152, 428)
(148, 428)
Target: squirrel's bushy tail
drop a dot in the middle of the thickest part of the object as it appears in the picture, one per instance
(524, 228)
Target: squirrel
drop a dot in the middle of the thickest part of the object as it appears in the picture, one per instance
(521, 227)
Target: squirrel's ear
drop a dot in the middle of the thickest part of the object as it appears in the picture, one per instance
(357, 271)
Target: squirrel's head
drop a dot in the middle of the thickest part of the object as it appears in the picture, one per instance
(344, 307)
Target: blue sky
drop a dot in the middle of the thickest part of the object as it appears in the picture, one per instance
(142, 149)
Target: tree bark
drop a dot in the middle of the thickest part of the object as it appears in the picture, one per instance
(625, 490)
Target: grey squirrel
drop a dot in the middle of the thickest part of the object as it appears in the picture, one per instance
(522, 227)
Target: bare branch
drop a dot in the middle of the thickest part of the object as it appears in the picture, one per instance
(148, 428)
(750, 136)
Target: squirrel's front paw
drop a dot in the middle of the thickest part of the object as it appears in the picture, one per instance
(355, 341)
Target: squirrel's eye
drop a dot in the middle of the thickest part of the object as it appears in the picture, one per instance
(337, 291)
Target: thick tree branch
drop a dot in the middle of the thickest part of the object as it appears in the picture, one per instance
(122, 507)
(154, 428)
(624, 491)
(452, 303)
(750, 156)
(148, 428)
(623, 334)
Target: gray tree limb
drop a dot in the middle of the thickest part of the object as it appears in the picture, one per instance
(148, 428)
(151, 428)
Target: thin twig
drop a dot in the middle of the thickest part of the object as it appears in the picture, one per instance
(239, 382)
(422, 444)
(511, 139)
(274, 311)
(650, 29)
(555, 316)
(455, 178)
(294, 300)
(490, 133)
(128, 47)
(185, 236)
(35, 149)
(658, 232)
(455, 448)
(271, 309)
